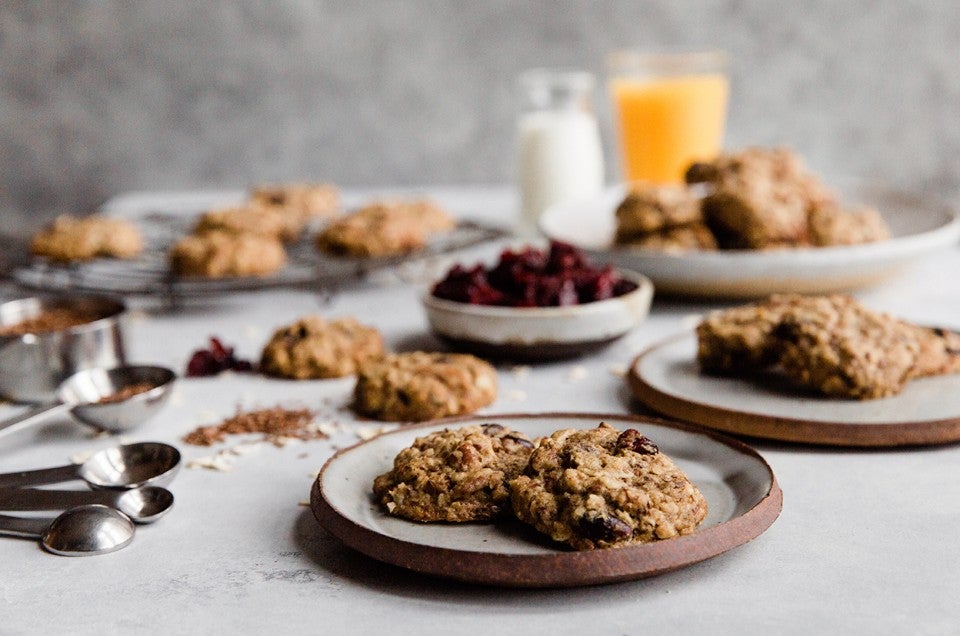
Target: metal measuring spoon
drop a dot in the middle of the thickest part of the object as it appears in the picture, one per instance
(86, 396)
(118, 468)
(143, 505)
(80, 531)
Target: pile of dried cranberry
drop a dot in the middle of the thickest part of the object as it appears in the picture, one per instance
(214, 360)
(534, 278)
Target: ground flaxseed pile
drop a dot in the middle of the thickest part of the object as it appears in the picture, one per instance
(127, 392)
(276, 424)
(49, 320)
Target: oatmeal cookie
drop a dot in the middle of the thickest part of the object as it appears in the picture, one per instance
(836, 346)
(694, 236)
(831, 225)
(649, 208)
(761, 198)
(455, 474)
(305, 200)
(740, 340)
(251, 219)
(70, 239)
(601, 488)
(830, 344)
(314, 348)
(384, 229)
(419, 386)
(218, 254)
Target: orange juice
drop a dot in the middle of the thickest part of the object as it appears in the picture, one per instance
(668, 122)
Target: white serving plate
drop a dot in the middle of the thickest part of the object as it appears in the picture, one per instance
(919, 226)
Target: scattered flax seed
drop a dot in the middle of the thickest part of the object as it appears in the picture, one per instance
(303, 502)
(127, 392)
(577, 373)
(278, 426)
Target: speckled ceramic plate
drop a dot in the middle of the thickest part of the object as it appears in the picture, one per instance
(535, 334)
(741, 490)
(666, 378)
(919, 226)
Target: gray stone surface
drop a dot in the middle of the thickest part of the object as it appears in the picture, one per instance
(102, 97)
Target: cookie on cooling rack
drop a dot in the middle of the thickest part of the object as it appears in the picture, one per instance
(420, 386)
(70, 238)
(454, 475)
(315, 348)
(384, 229)
(601, 488)
(219, 254)
(251, 219)
(304, 200)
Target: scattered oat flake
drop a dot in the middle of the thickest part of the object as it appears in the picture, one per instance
(328, 429)
(390, 506)
(79, 458)
(618, 370)
(278, 426)
(369, 432)
(245, 449)
(315, 473)
(137, 315)
(578, 372)
(520, 371)
(517, 395)
(303, 502)
(219, 462)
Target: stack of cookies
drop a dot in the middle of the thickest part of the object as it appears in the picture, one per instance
(758, 198)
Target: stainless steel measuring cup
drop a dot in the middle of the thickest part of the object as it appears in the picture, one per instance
(33, 365)
(87, 394)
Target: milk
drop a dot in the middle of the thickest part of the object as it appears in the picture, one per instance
(560, 159)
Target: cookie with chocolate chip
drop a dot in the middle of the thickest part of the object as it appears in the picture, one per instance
(602, 488)
(454, 475)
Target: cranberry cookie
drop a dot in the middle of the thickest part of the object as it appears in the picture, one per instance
(601, 488)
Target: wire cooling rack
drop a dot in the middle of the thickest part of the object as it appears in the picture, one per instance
(150, 274)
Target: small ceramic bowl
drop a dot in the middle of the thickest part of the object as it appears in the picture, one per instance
(539, 333)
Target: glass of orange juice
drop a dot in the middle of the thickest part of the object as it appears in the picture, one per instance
(670, 110)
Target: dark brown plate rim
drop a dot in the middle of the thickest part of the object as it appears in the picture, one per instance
(785, 429)
(563, 568)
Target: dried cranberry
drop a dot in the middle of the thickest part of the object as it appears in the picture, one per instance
(599, 527)
(631, 439)
(216, 359)
(531, 278)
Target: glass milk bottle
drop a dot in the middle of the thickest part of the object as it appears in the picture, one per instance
(559, 150)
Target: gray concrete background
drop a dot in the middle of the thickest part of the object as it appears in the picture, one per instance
(98, 98)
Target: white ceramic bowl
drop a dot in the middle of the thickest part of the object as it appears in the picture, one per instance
(539, 333)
